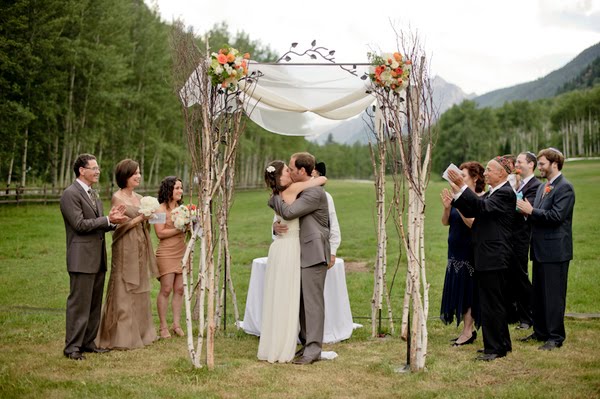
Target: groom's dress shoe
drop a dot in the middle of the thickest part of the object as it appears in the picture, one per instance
(94, 350)
(303, 360)
(550, 345)
(75, 356)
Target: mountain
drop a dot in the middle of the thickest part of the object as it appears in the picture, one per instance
(359, 129)
(545, 87)
(589, 77)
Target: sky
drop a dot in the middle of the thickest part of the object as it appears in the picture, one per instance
(478, 45)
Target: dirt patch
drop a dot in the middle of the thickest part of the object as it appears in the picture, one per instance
(356, 267)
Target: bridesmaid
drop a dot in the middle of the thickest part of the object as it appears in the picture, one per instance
(169, 253)
(127, 315)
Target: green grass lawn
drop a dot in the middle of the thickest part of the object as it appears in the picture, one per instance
(34, 286)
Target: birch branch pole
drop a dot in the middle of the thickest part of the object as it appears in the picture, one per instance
(212, 128)
(408, 123)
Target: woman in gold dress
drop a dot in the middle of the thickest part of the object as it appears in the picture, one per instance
(127, 315)
(169, 253)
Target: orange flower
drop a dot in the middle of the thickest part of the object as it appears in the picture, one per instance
(222, 58)
(398, 57)
(548, 188)
(230, 57)
(517, 171)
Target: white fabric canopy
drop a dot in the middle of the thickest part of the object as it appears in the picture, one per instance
(301, 100)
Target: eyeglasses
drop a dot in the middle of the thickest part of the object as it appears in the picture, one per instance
(95, 168)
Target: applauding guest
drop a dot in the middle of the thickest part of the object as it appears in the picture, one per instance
(551, 248)
(520, 291)
(457, 297)
(86, 255)
(169, 254)
(494, 215)
(127, 315)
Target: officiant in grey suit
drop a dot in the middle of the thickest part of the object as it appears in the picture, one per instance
(551, 216)
(85, 227)
(311, 207)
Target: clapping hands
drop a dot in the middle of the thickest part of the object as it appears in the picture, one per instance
(117, 214)
(447, 198)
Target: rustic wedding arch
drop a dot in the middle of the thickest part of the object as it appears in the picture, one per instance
(301, 99)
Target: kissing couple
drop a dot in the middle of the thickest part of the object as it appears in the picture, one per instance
(293, 303)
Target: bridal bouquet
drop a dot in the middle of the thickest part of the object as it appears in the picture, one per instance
(227, 67)
(183, 215)
(148, 205)
(389, 71)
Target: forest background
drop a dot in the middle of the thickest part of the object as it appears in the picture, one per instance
(84, 76)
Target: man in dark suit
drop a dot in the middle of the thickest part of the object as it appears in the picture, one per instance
(520, 286)
(494, 215)
(551, 217)
(85, 226)
(315, 254)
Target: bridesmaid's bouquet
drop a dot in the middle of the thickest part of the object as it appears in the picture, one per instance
(183, 215)
(148, 205)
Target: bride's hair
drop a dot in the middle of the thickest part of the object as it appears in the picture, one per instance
(273, 176)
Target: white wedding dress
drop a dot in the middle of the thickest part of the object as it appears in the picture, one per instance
(281, 297)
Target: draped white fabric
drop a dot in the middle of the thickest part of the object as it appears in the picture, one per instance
(302, 100)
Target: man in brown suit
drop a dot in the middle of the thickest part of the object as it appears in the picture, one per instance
(312, 209)
(85, 227)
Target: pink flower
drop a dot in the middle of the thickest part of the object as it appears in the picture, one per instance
(222, 58)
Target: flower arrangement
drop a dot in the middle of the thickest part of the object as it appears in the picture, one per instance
(389, 71)
(148, 205)
(183, 215)
(227, 67)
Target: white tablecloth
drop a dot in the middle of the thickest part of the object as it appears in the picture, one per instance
(338, 316)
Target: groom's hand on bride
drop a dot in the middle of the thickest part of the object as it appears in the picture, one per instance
(330, 265)
(279, 228)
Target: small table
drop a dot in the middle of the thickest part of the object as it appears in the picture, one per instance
(338, 316)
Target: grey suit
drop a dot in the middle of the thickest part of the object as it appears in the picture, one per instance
(86, 264)
(551, 252)
(312, 209)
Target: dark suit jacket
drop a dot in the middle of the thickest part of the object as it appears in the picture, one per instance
(85, 228)
(312, 209)
(492, 229)
(551, 223)
(522, 228)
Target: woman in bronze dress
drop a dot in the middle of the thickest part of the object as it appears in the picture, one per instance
(169, 254)
(127, 315)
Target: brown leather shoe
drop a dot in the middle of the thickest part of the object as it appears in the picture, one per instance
(303, 360)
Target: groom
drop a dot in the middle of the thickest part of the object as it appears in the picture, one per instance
(311, 208)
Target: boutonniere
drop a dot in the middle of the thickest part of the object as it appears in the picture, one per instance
(548, 189)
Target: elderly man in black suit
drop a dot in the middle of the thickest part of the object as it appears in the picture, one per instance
(520, 286)
(85, 226)
(551, 218)
(494, 215)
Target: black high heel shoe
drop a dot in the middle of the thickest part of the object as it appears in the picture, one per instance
(469, 341)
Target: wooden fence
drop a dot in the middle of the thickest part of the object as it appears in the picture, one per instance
(48, 194)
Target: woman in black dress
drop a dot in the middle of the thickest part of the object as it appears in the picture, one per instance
(457, 296)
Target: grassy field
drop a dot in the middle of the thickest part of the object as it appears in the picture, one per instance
(34, 287)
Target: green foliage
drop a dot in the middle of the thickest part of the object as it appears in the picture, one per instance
(588, 78)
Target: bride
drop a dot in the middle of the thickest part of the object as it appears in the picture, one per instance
(281, 300)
